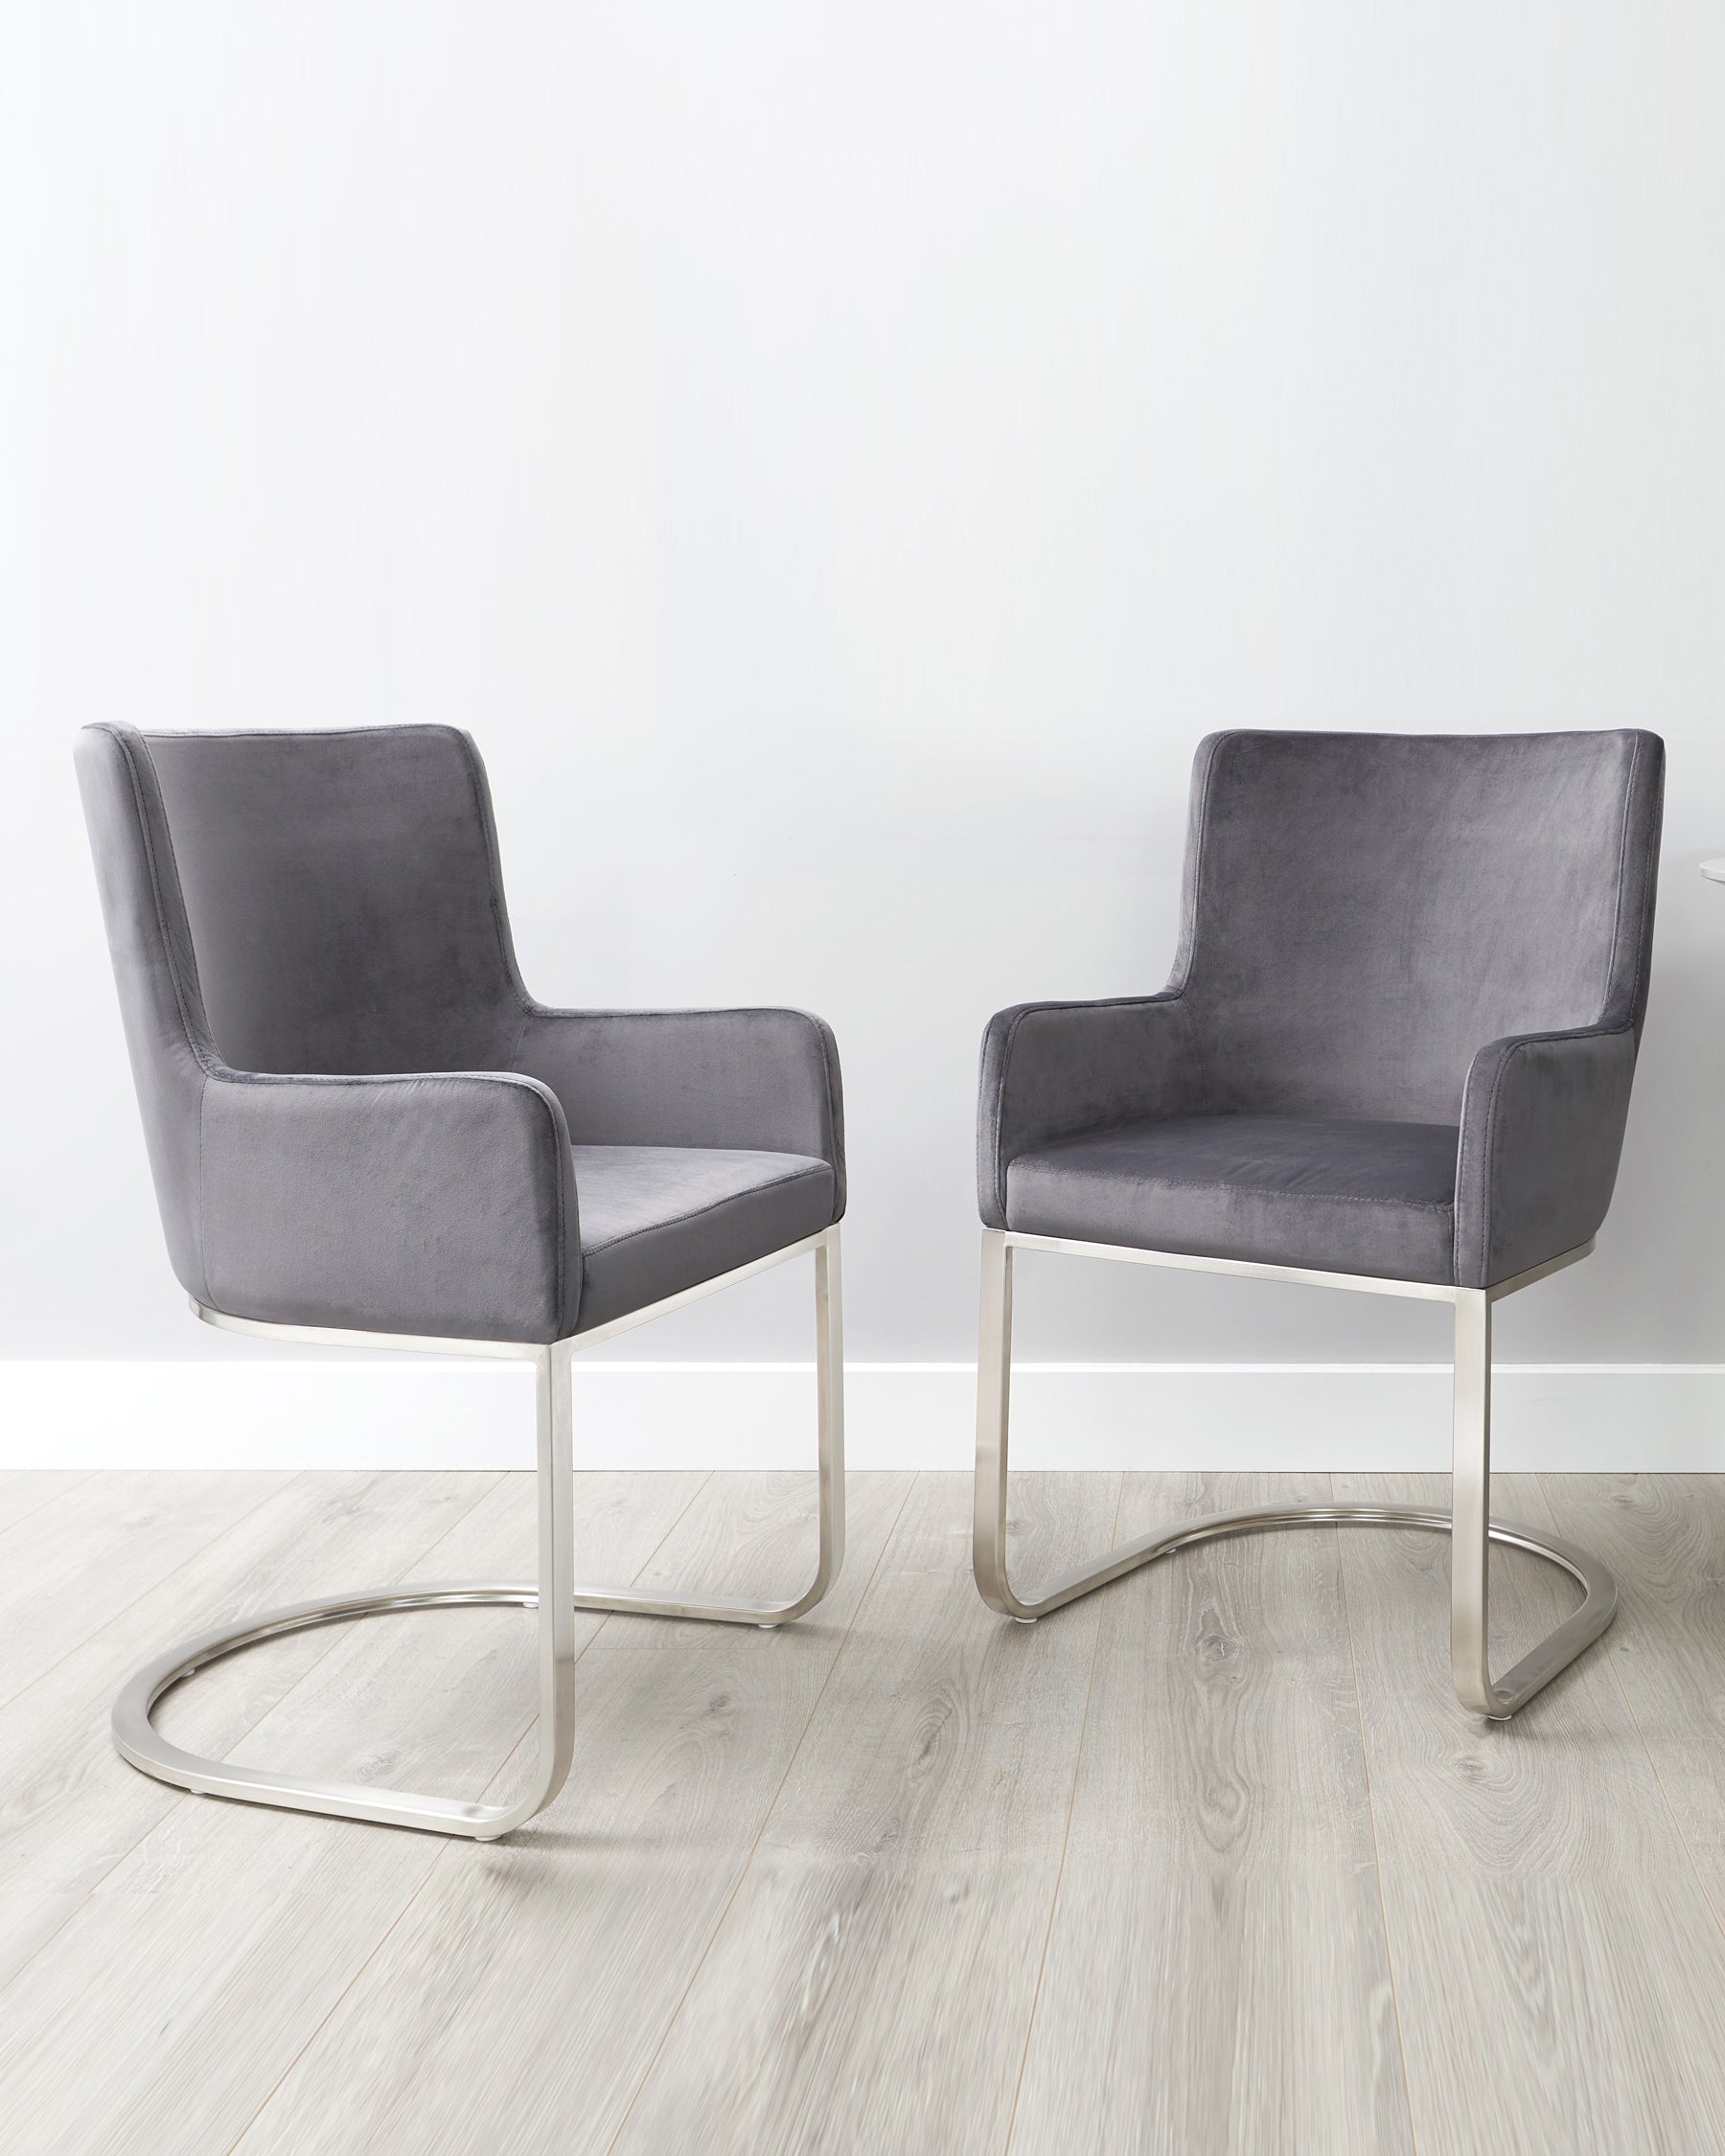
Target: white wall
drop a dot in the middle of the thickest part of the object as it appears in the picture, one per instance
(838, 460)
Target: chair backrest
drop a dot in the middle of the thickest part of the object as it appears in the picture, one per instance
(294, 903)
(1365, 912)
(343, 898)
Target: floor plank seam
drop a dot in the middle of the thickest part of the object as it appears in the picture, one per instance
(340, 1631)
(450, 1849)
(1089, 1689)
(197, 1556)
(79, 1476)
(748, 1866)
(185, 1795)
(1547, 1964)
(605, 1618)
(1377, 1853)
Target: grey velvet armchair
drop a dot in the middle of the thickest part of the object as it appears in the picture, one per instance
(1395, 1056)
(363, 1131)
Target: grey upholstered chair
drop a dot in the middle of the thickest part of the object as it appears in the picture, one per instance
(1395, 1055)
(364, 1131)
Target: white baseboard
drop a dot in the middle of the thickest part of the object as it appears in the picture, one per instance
(1655, 1417)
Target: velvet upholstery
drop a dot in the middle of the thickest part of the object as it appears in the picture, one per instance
(737, 1081)
(1380, 934)
(656, 1219)
(344, 899)
(356, 1117)
(1342, 1197)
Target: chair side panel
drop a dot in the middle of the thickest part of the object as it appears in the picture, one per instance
(159, 1004)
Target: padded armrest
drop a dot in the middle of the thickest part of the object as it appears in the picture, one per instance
(762, 1080)
(1051, 1070)
(441, 1204)
(1542, 1129)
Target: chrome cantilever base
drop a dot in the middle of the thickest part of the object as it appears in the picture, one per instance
(555, 1596)
(1472, 1531)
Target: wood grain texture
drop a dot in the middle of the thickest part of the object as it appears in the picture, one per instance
(62, 1579)
(519, 2003)
(902, 1878)
(1558, 1973)
(164, 2011)
(70, 1807)
(26, 1490)
(1217, 1976)
(1664, 1536)
(871, 1987)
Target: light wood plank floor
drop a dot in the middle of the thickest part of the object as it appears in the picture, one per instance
(1207, 1863)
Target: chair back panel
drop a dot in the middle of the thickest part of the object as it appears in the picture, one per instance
(344, 900)
(1365, 912)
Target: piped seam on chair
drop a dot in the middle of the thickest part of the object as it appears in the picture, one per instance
(1280, 1190)
(203, 1231)
(1488, 1153)
(198, 1045)
(694, 1212)
(470, 761)
(1648, 890)
(290, 733)
(1187, 949)
(1623, 895)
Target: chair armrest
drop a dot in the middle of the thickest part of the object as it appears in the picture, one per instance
(441, 1204)
(762, 1080)
(1542, 1127)
(1051, 1070)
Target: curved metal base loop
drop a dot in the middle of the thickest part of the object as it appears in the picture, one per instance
(1559, 1647)
(137, 1739)
(139, 1742)
(1470, 1526)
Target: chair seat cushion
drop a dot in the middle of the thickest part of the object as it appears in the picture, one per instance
(656, 1219)
(1334, 1196)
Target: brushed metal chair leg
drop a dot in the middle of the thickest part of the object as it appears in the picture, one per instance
(554, 1596)
(138, 1741)
(1473, 1533)
(1472, 1529)
(829, 1375)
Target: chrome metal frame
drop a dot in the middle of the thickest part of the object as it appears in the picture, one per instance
(555, 1594)
(1469, 1523)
